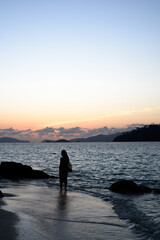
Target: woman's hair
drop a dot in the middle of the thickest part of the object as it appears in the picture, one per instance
(64, 153)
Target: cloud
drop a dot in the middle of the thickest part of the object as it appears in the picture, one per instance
(130, 127)
(96, 131)
(68, 133)
(60, 132)
(21, 134)
(12, 132)
(45, 131)
(107, 131)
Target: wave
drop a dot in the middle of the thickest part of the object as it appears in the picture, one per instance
(141, 222)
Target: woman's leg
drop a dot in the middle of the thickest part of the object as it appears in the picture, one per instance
(61, 184)
(66, 184)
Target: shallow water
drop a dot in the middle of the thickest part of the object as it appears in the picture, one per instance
(95, 167)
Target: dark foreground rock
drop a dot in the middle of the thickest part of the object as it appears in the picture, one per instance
(128, 186)
(13, 170)
(1, 195)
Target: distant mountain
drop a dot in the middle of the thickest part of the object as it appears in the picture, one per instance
(47, 140)
(97, 138)
(11, 140)
(60, 140)
(146, 133)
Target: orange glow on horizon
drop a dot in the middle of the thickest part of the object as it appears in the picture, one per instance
(120, 120)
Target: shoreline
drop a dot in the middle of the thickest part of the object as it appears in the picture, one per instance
(42, 212)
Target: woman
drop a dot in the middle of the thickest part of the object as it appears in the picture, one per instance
(63, 169)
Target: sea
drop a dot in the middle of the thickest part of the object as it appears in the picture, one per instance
(95, 167)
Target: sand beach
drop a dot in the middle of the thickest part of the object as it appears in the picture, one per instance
(33, 212)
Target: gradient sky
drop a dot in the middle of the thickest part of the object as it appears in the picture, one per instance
(81, 64)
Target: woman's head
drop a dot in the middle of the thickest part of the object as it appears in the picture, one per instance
(64, 153)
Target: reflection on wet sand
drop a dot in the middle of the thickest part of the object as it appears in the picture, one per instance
(63, 201)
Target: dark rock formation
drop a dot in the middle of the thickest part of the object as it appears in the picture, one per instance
(13, 170)
(128, 186)
(1, 195)
(156, 190)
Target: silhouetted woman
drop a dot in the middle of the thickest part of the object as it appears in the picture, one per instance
(63, 169)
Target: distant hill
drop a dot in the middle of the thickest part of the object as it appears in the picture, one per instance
(97, 138)
(146, 133)
(62, 140)
(47, 140)
(11, 140)
(50, 141)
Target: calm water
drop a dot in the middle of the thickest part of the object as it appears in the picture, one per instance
(95, 167)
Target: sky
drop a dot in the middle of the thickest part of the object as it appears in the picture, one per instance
(78, 68)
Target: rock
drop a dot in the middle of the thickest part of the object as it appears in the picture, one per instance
(156, 190)
(144, 189)
(12, 170)
(128, 186)
(1, 195)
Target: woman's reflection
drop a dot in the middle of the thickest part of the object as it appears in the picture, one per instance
(62, 203)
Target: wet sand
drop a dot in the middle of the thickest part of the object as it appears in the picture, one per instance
(8, 221)
(33, 212)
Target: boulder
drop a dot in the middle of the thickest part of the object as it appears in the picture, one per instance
(13, 170)
(156, 190)
(1, 195)
(128, 186)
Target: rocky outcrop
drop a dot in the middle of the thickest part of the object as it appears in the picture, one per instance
(13, 170)
(129, 187)
(146, 133)
(1, 195)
